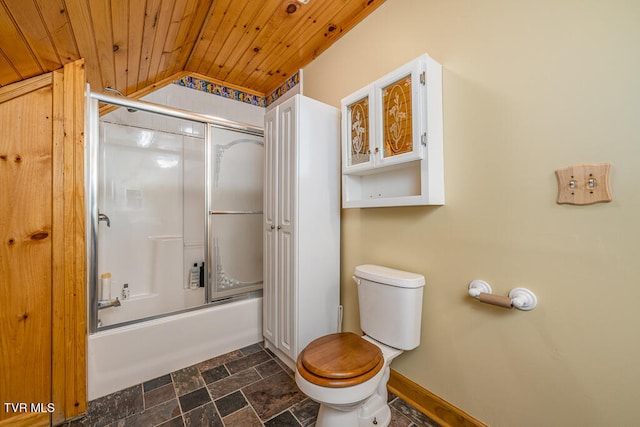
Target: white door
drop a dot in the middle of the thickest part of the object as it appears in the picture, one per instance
(269, 296)
(285, 228)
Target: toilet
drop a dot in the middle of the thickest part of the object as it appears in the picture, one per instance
(347, 373)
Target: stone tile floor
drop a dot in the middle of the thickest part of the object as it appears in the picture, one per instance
(244, 388)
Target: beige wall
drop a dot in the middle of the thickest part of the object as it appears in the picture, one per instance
(529, 87)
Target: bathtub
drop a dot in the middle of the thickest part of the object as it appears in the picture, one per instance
(129, 355)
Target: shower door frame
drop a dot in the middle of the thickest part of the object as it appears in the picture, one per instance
(91, 178)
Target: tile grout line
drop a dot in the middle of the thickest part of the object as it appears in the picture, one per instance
(213, 401)
(251, 406)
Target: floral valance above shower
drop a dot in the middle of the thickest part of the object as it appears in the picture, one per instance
(237, 94)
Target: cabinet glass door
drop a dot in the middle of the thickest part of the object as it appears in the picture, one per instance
(357, 131)
(401, 114)
(397, 117)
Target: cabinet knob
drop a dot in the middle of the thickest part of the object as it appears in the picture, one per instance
(279, 227)
(273, 226)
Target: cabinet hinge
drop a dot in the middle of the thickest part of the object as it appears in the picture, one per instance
(423, 139)
(423, 78)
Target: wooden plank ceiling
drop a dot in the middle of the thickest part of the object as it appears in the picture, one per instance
(131, 45)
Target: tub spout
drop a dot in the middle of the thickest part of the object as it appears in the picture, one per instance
(106, 303)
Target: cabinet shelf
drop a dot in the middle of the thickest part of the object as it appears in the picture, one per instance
(397, 185)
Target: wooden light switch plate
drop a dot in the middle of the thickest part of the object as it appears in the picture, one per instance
(584, 184)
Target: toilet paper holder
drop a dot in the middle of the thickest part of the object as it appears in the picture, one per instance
(520, 298)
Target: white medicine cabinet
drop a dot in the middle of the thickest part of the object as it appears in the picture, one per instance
(392, 152)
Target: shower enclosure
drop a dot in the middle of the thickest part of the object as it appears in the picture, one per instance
(175, 211)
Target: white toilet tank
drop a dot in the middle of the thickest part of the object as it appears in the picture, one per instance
(390, 305)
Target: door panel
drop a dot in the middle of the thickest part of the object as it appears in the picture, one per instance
(286, 166)
(269, 292)
(286, 306)
(286, 227)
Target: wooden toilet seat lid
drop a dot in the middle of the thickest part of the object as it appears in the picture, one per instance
(342, 356)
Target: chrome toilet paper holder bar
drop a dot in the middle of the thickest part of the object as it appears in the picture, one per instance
(520, 298)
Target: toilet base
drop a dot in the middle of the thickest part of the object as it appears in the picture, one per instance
(374, 412)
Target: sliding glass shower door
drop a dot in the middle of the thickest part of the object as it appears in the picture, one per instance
(235, 213)
(176, 212)
(151, 215)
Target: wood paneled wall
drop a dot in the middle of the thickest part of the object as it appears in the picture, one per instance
(26, 249)
(42, 250)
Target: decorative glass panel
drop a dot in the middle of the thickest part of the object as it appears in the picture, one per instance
(359, 131)
(396, 117)
(236, 213)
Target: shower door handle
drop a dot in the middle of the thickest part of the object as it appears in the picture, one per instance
(235, 212)
(105, 218)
